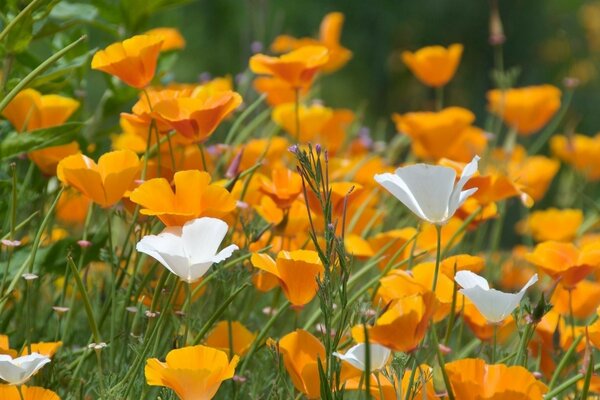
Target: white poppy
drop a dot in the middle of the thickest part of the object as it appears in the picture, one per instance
(189, 251)
(493, 304)
(17, 371)
(356, 356)
(429, 190)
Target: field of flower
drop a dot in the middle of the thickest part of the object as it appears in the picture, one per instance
(238, 237)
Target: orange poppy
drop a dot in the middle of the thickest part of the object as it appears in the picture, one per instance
(584, 299)
(525, 109)
(10, 392)
(311, 119)
(241, 337)
(277, 90)
(516, 271)
(565, 261)
(461, 262)
(297, 67)
(104, 183)
(194, 373)
(473, 379)
(283, 188)
(482, 328)
(193, 197)
(132, 60)
(580, 151)
(297, 272)
(552, 224)
(434, 65)
(171, 38)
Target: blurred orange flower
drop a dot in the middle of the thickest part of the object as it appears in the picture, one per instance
(525, 109)
(104, 183)
(194, 373)
(10, 392)
(132, 60)
(552, 224)
(584, 299)
(580, 151)
(171, 38)
(241, 337)
(482, 328)
(297, 272)
(277, 90)
(434, 65)
(193, 197)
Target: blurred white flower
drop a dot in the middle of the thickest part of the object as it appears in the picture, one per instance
(16, 371)
(356, 356)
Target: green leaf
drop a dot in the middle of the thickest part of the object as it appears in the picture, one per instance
(77, 11)
(17, 143)
(20, 35)
(63, 70)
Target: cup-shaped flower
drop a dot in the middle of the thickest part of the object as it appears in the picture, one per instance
(434, 65)
(525, 109)
(10, 392)
(230, 335)
(133, 60)
(429, 191)
(297, 68)
(493, 304)
(194, 373)
(356, 356)
(189, 251)
(17, 371)
(104, 183)
(283, 188)
(296, 271)
(171, 38)
(580, 152)
(541, 224)
(194, 197)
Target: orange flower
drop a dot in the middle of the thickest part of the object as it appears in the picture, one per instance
(277, 90)
(297, 272)
(552, 224)
(269, 152)
(133, 60)
(389, 243)
(403, 325)
(381, 388)
(434, 65)
(47, 349)
(194, 373)
(10, 392)
(423, 378)
(584, 299)
(483, 329)
(300, 351)
(297, 67)
(193, 197)
(516, 271)
(473, 379)
(443, 134)
(104, 183)
(525, 109)
(565, 261)
(241, 337)
(283, 188)
(330, 33)
(580, 151)
(312, 119)
(171, 38)
(197, 117)
(461, 262)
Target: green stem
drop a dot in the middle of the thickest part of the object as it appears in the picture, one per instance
(563, 362)
(552, 393)
(30, 7)
(438, 256)
(442, 363)
(439, 98)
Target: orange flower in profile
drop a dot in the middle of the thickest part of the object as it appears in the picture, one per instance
(447, 133)
(193, 197)
(241, 337)
(580, 151)
(312, 119)
(277, 90)
(584, 299)
(403, 325)
(171, 38)
(297, 67)
(283, 188)
(132, 60)
(194, 373)
(552, 224)
(565, 261)
(10, 392)
(473, 379)
(197, 117)
(525, 109)
(104, 183)
(482, 328)
(329, 36)
(434, 65)
(297, 272)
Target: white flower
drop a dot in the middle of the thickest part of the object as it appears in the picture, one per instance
(493, 304)
(356, 356)
(429, 190)
(189, 251)
(17, 371)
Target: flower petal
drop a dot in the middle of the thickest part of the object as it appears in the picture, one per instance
(468, 280)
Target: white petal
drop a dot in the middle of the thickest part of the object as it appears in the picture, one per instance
(530, 282)
(225, 253)
(17, 371)
(399, 190)
(458, 196)
(493, 304)
(356, 356)
(168, 249)
(467, 279)
(197, 271)
(202, 238)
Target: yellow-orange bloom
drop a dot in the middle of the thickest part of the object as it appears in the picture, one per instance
(525, 109)
(132, 60)
(403, 325)
(552, 224)
(104, 183)
(583, 299)
(241, 337)
(283, 188)
(473, 379)
(194, 373)
(297, 67)
(565, 261)
(312, 119)
(434, 65)
(10, 392)
(483, 329)
(171, 38)
(277, 90)
(297, 272)
(300, 351)
(193, 197)
(580, 151)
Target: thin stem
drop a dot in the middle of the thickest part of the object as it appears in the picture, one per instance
(438, 256)
(571, 314)
(494, 343)
(30, 7)
(439, 98)
(297, 112)
(20, 390)
(188, 312)
(442, 363)
(28, 311)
